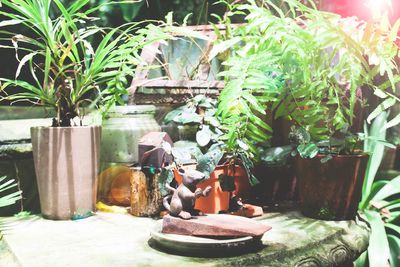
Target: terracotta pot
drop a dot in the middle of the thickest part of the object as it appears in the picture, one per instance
(243, 188)
(331, 190)
(66, 163)
(218, 200)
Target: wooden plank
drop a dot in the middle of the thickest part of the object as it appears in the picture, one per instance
(176, 84)
(156, 99)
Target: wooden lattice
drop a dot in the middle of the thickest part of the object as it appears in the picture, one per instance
(143, 90)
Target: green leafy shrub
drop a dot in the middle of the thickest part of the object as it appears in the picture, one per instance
(67, 71)
(321, 61)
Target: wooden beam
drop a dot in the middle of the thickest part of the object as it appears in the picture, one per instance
(176, 84)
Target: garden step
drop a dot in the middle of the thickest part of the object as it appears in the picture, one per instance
(108, 239)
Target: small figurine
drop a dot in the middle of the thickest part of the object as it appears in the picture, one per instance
(184, 197)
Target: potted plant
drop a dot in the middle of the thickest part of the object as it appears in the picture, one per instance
(324, 61)
(225, 161)
(68, 74)
(199, 114)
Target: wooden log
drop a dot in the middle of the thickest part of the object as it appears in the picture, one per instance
(146, 199)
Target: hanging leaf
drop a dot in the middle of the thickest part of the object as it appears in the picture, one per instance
(308, 150)
(391, 188)
(203, 137)
(166, 176)
(207, 163)
(242, 145)
(382, 107)
(25, 59)
(187, 117)
(181, 154)
(10, 22)
(391, 123)
(173, 114)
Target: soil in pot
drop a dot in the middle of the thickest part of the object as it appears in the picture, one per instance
(331, 190)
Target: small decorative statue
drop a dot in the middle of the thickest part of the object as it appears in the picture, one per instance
(184, 197)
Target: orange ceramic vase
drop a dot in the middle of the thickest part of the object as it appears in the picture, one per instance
(218, 200)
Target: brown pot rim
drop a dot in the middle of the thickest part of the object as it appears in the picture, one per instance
(360, 155)
(227, 165)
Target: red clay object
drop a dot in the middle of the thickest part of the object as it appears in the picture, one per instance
(215, 225)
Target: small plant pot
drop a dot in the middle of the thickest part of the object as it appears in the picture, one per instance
(218, 200)
(331, 190)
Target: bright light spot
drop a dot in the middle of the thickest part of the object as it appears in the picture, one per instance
(379, 7)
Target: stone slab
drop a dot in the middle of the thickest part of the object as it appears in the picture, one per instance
(12, 131)
(217, 225)
(19, 130)
(123, 240)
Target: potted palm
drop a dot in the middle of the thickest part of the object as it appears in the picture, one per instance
(68, 74)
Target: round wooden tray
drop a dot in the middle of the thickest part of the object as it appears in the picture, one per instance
(201, 246)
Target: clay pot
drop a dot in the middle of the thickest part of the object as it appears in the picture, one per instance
(218, 201)
(331, 190)
(277, 184)
(66, 163)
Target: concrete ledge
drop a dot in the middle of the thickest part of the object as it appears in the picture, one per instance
(122, 240)
(19, 130)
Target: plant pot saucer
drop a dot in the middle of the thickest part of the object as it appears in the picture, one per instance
(202, 246)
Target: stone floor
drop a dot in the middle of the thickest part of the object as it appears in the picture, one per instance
(116, 240)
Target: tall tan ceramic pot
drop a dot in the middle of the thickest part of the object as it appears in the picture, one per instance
(66, 163)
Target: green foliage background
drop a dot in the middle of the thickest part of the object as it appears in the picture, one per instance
(115, 15)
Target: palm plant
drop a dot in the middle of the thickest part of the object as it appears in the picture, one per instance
(380, 205)
(9, 199)
(68, 72)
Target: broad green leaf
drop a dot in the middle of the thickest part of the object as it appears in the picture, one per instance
(307, 150)
(391, 188)
(222, 47)
(391, 123)
(362, 260)
(379, 93)
(382, 107)
(394, 243)
(203, 137)
(378, 250)
(394, 228)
